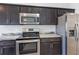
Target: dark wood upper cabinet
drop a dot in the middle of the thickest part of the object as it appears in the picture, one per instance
(48, 16)
(53, 17)
(13, 14)
(9, 14)
(35, 10)
(3, 15)
(26, 9)
(44, 18)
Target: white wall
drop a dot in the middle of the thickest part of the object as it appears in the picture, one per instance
(18, 28)
(75, 6)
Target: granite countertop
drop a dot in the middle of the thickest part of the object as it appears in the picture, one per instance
(49, 35)
(9, 36)
(42, 35)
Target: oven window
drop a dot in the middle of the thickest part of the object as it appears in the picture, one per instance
(27, 48)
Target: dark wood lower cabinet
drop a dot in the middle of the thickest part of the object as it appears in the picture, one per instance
(44, 48)
(49, 47)
(7, 50)
(55, 48)
(8, 47)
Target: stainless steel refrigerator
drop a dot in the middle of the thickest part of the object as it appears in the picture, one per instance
(68, 28)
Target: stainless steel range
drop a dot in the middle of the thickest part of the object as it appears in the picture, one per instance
(29, 43)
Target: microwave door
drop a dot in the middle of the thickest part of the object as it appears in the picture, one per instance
(29, 19)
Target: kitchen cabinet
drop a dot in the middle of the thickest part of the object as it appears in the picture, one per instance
(8, 47)
(25, 9)
(53, 17)
(28, 9)
(8, 50)
(50, 46)
(55, 47)
(13, 14)
(9, 14)
(35, 10)
(48, 16)
(44, 16)
(3, 15)
(44, 48)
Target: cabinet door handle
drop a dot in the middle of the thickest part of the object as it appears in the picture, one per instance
(51, 45)
(7, 21)
(1, 51)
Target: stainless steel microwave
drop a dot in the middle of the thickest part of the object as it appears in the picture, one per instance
(29, 18)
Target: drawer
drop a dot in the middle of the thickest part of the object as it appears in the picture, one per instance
(49, 39)
(7, 42)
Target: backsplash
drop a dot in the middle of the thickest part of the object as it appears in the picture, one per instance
(18, 28)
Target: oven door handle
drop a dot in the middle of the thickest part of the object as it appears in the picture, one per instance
(26, 41)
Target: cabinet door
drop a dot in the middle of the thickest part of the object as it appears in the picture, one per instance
(8, 47)
(51, 46)
(55, 48)
(3, 15)
(35, 9)
(53, 17)
(0, 50)
(45, 16)
(9, 50)
(44, 48)
(48, 16)
(13, 14)
(24, 9)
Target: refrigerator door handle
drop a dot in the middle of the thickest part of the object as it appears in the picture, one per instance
(75, 35)
(75, 32)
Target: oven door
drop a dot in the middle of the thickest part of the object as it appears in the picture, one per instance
(26, 47)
